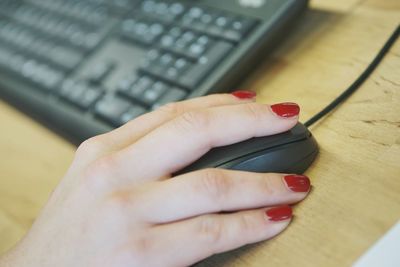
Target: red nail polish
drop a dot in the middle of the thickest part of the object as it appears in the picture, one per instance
(286, 110)
(297, 183)
(279, 213)
(244, 94)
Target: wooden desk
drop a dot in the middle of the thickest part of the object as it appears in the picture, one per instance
(356, 196)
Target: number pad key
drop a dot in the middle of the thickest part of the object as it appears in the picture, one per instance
(111, 108)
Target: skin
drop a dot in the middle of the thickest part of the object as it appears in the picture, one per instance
(116, 205)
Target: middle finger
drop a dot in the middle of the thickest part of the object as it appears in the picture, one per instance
(216, 190)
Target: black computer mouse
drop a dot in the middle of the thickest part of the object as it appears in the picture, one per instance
(288, 152)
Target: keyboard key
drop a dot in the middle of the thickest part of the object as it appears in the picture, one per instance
(223, 21)
(47, 76)
(138, 88)
(178, 68)
(89, 97)
(166, 67)
(181, 64)
(218, 24)
(141, 31)
(196, 50)
(188, 44)
(203, 22)
(232, 35)
(132, 113)
(64, 57)
(207, 63)
(80, 93)
(67, 86)
(111, 108)
(34, 71)
(126, 84)
(176, 8)
(166, 59)
(195, 12)
(159, 66)
(154, 93)
(100, 71)
(162, 10)
(238, 29)
(243, 25)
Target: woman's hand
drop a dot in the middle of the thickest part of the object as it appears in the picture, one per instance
(117, 205)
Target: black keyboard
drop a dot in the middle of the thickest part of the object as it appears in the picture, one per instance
(84, 67)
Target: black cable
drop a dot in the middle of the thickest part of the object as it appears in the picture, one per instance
(349, 91)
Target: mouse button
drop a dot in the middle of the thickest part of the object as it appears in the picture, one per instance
(258, 143)
(221, 155)
(230, 152)
(289, 158)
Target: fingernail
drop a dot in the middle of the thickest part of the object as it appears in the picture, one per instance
(286, 110)
(297, 183)
(244, 94)
(279, 213)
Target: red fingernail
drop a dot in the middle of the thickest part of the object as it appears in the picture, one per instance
(297, 183)
(279, 213)
(286, 110)
(244, 94)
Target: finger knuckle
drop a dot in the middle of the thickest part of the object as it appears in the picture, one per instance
(193, 121)
(120, 200)
(172, 109)
(210, 229)
(215, 184)
(100, 168)
(255, 111)
(220, 99)
(247, 222)
(268, 185)
(91, 146)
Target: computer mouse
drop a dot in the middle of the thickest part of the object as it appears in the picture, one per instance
(289, 152)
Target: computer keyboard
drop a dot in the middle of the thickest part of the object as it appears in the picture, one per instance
(84, 67)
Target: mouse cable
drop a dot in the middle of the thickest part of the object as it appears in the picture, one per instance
(360, 80)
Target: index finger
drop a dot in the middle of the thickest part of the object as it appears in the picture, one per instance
(181, 141)
(142, 125)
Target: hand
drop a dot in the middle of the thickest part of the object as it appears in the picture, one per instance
(117, 205)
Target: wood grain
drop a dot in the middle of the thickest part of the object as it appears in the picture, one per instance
(356, 178)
